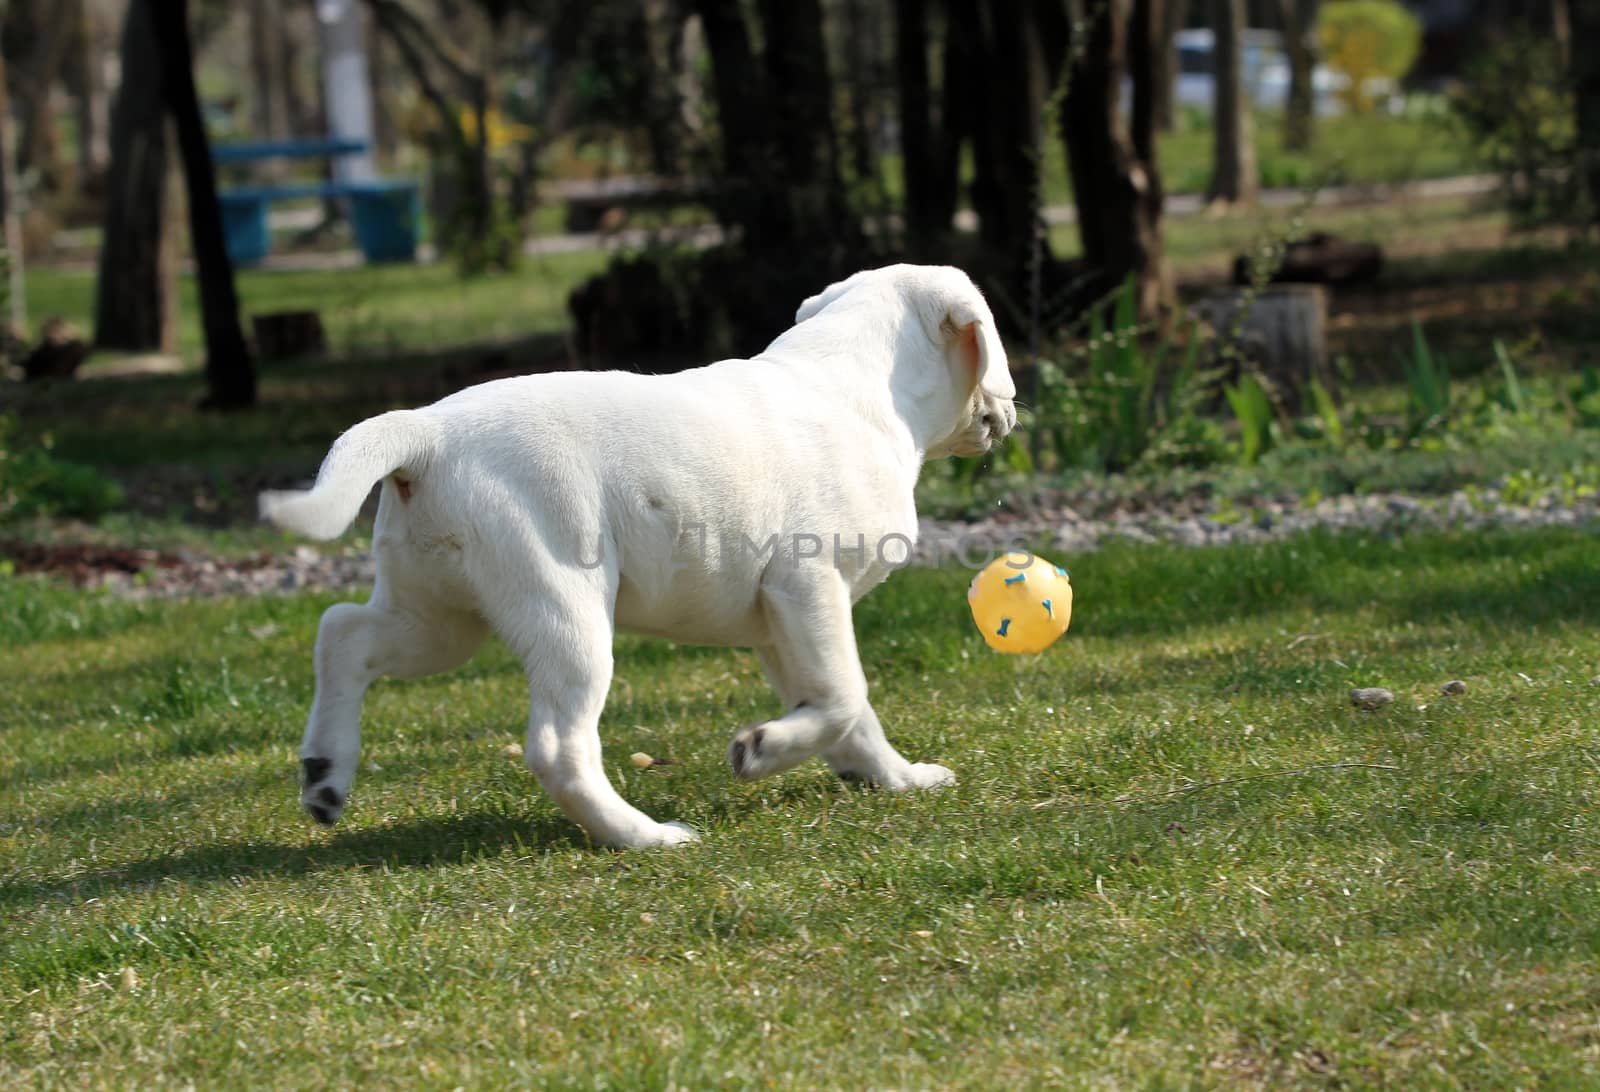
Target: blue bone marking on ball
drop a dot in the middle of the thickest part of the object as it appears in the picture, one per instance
(1060, 571)
(1019, 578)
(1048, 609)
(1005, 623)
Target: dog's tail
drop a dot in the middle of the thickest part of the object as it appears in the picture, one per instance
(372, 450)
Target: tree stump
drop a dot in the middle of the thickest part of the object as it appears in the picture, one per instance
(286, 335)
(1283, 336)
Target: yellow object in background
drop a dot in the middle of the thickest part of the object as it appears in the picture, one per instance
(1021, 603)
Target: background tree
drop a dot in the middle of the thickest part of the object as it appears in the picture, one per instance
(230, 372)
(1300, 109)
(1116, 180)
(1368, 40)
(134, 305)
(1585, 20)
(1233, 179)
(932, 125)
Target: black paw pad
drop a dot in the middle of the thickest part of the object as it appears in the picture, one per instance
(321, 814)
(737, 755)
(313, 770)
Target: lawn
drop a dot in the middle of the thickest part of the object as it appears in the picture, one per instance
(372, 310)
(1176, 854)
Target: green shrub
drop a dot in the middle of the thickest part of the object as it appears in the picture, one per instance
(1518, 109)
(33, 482)
(1367, 40)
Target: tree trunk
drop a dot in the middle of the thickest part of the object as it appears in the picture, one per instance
(862, 50)
(1561, 29)
(10, 229)
(800, 93)
(1169, 19)
(38, 142)
(1116, 185)
(130, 292)
(270, 109)
(1233, 181)
(1300, 111)
(956, 111)
(917, 154)
(1585, 16)
(230, 373)
(84, 82)
(1005, 191)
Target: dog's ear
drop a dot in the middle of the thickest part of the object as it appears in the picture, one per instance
(816, 303)
(974, 345)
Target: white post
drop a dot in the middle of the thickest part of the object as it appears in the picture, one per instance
(346, 86)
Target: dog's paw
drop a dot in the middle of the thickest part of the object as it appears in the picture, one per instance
(929, 775)
(745, 753)
(654, 836)
(322, 801)
(678, 834)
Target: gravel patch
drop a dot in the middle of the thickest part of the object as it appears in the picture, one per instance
(1059, 528)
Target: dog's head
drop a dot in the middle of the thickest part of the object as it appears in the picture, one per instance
(950, 381)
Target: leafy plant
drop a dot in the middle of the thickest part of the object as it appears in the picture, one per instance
(1327, 414)
(1129, 396)
(1511, 393)
(1427, 383)
(1253, 409)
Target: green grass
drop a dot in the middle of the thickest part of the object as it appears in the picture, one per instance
(375, 309)
(1373, 149)
(1062, 916)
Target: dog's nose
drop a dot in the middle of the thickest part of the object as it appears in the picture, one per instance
(997, 423)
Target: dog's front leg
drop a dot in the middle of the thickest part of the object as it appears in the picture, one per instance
(799, 673)
(813, 652)
(866, 755)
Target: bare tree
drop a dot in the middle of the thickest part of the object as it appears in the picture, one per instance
(230, 372)
(1233, 179)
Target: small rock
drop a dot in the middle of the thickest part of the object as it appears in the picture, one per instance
(1595, 681)
(1454, 686)
(641, 760)
(1370, 697)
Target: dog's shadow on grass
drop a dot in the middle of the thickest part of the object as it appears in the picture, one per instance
(420, 843)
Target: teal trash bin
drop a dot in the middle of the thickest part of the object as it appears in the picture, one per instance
(245, 232)
(386, 215)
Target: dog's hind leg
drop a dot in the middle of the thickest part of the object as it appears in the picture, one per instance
(567, 652)
(357, 644)
(815, 669)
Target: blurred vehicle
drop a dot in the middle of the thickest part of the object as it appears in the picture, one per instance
(1266, 74)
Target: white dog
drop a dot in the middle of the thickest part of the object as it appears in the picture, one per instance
(748, 503)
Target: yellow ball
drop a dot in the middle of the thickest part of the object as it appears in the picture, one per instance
(1021, 603)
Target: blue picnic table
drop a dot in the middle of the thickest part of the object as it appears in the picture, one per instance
(385, 212)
